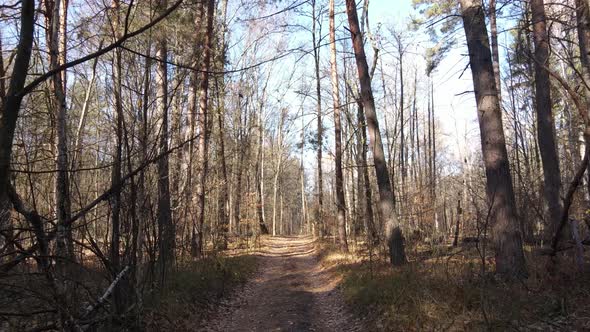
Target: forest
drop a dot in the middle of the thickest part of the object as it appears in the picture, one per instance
(294, 165)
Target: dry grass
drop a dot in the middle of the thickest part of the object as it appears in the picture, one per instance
(444, 289)
(195, 289)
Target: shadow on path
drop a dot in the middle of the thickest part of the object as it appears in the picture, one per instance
(291, 292)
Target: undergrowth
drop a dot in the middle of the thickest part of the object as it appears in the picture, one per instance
(448, 292)
(194, 289)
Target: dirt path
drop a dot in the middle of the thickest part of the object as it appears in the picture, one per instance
(290, 293)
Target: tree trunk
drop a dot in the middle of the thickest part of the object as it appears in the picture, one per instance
(223, 216)
(458, 224)
(505, 231)
(433, 125)
(13, 99)
(166, 231)
(402, 156)
(320, 133)
(203, 127)
(279, 162)
(116, 170)
(545, 122)
(583, 27)
(340, 203)
(260, 162)
(142, 196)
(386, 206)
(260, 178)
(64, 246)
(495, 53)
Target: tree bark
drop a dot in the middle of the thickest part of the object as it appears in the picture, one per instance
(340, 203)
(545, 122)
(223, 215)
(503, 219)
(278, 169)
(583, 27)
(64, 246)
(260, 177)
(386, 205)
(495, 53)
(116, 170)
(10, 107)
(320, 133)
(166, 232)
(203, 126)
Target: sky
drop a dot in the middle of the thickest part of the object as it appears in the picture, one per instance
(454, 103)
(455, 109)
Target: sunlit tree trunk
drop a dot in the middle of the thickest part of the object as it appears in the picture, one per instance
(260, 176)
(64, 247)
(386, 207)
(495, 53)
(278, 163)
(223, 216)
(504, 223)
(340, 203)
(203, 158)
(320, 133)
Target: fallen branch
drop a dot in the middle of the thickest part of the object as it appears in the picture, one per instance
(107, 293)
(567, 201)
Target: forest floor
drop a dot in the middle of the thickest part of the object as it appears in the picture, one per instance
(291, 291)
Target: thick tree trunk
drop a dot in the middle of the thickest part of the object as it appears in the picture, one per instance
(505, 231)
(223, 216)
(10, 104)
(64, 246)
(386, 206)
(203, 159)
(340, 203)
(64, 243)
(545, 122)
(495, 53)
(365, 180)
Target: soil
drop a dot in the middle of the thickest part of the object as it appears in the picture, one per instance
(291, 292)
